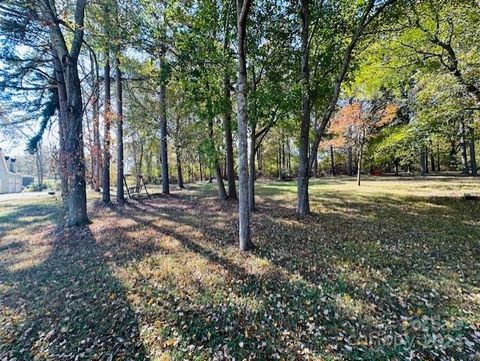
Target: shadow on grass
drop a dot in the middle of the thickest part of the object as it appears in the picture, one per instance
(339, 284)
(333, 279)
(30, 216)
(68, 305)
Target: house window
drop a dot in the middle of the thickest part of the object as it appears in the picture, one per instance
(13, 167)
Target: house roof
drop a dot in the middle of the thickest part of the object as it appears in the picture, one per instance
(3, 163)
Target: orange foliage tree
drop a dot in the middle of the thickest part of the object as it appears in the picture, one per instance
(356, 122)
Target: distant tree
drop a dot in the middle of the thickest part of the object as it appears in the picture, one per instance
(355, 123)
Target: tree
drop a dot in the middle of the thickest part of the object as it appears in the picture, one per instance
(107, 117)
(364, 15)
(358, 121)
(119, 105)
(303, 202)
(243, 8)
(62, 40)
(71, 105)
(227, 106)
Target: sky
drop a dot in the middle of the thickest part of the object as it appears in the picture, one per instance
(16, 147)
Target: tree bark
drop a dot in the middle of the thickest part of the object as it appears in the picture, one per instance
(107, 116)
(279, 161)
(349, 162)
(179, 169)
(260, 160)
(163, 137)
(253, 143)
(426, 160)
(222, 194)
(76, 198)
(360, 158)
(252, 171)
(432, 161)
(315, 168)
(178, 154)
(332, 161)
(452, 155)
(243, 7)
(359, 165)
(463, 146)
(119, 118)
(200, 166)
(473, 158)
(39, 164)
(62, 124)
(303, 202)
(438, 159)
(96, 149)
(227, 124)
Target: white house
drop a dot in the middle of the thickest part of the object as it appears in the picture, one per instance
(10, 180)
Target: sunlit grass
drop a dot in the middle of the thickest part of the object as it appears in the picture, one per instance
(394, 259)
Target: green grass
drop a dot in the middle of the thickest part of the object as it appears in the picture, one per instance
(389, 270)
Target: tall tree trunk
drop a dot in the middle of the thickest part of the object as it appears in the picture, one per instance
(259, 160)
(280, 161)
(360, 159)
(178, 154)
(200, 166)
(67, 64)
(179, 169)
(222, 194)
(452, 155)
(251, 164)
(473, 158)
(119, 118)
(315, 168)
(138, 166)
(426, 160)
(349, 162)
(432, 160)
(163, 139)
(303, 202)
(62, 125)
(251, 154)
(77, 195)
(227, 124)
(148, 166)
(332, 161)
(96, 149)
(107, 116)
(227, 115)
(289, 157)
(39, 163)
(438, 158)
(243, 7)
(359, 165)
(463, 146)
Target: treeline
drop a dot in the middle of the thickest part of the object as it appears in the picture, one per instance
(233, 90)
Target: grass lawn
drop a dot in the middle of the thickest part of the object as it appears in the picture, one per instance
(390, 270)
